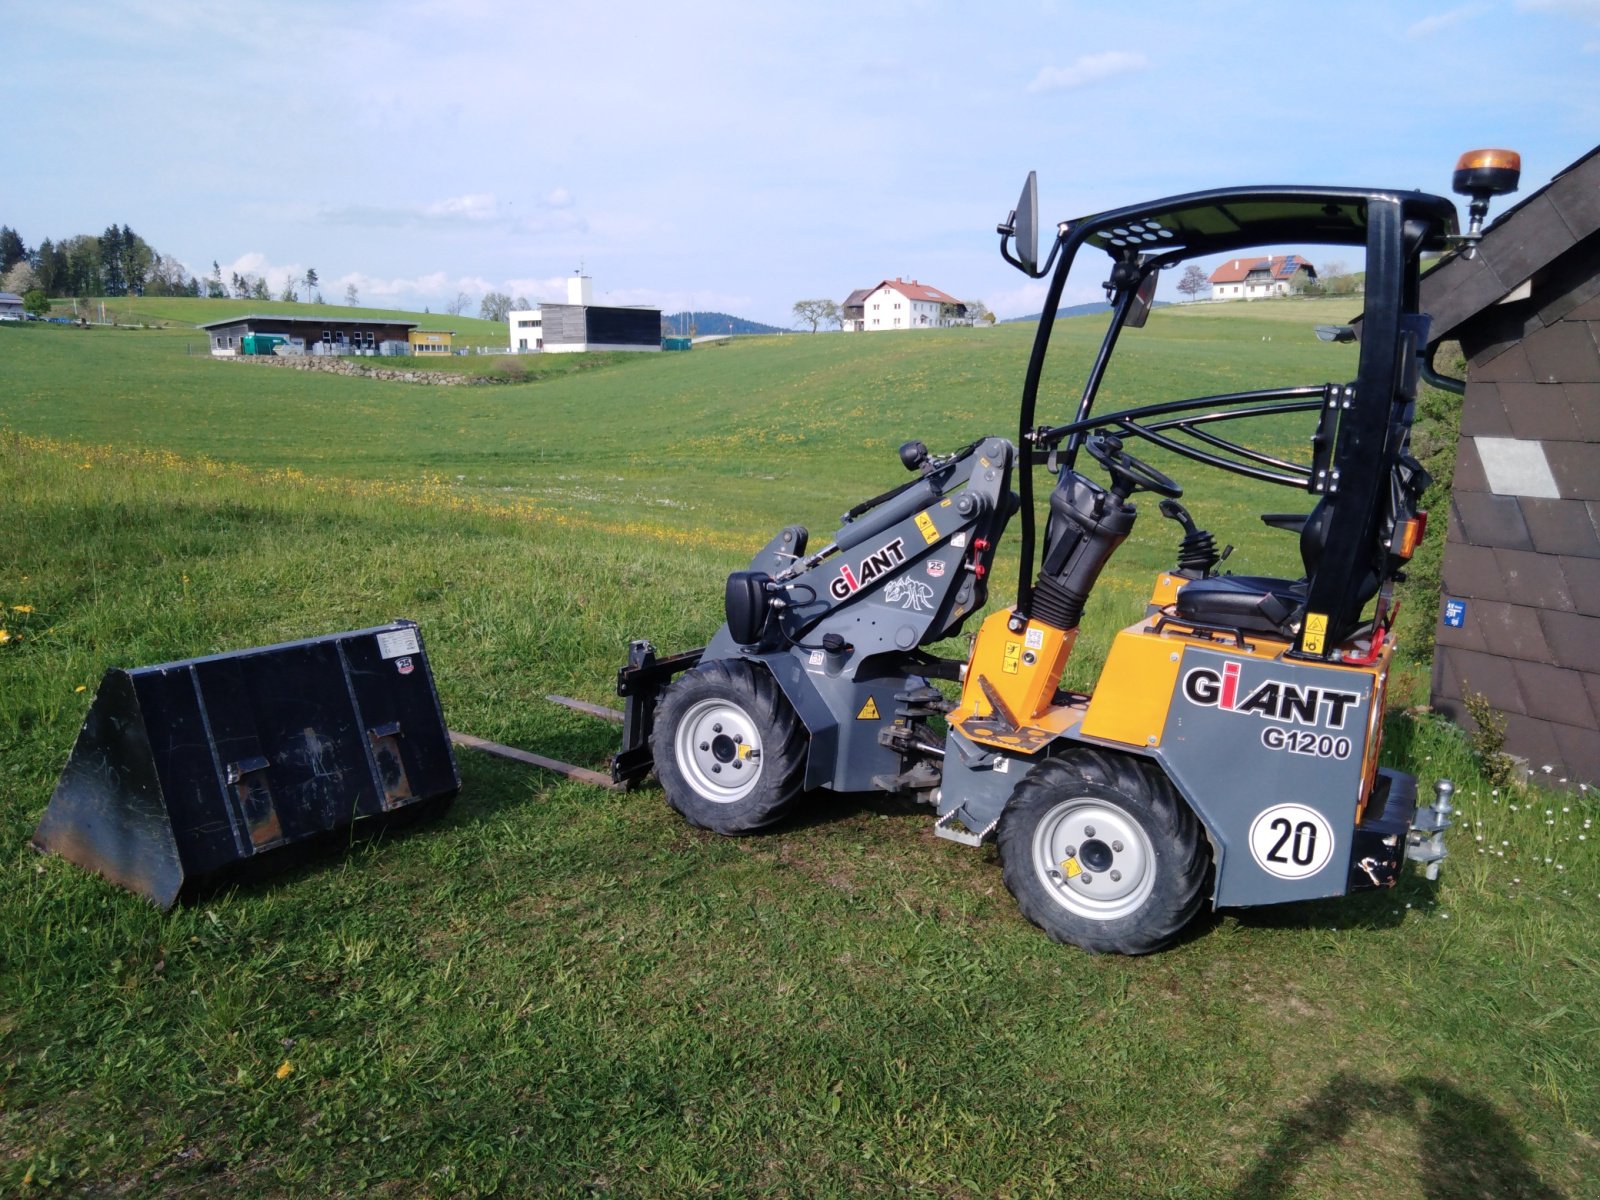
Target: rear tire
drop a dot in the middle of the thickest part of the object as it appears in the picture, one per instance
(1101, 852)
(728, 748)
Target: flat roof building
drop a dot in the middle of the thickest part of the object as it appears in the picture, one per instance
(308, 335)
(581, 325)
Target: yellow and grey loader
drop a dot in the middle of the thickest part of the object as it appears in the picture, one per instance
(1229, 753)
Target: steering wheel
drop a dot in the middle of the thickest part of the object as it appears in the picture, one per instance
(1128, 474)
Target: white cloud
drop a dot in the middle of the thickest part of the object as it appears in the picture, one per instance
(1429, 26)
(478, 206)
(558, 198)
(256, 264)
(1089, 68)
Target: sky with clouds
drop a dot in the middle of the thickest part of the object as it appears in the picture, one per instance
(736, 156)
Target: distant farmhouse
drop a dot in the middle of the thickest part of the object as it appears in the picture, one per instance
(1255, 278)
(901, 304)
(580, 324)
(10, 306)
(256, 334)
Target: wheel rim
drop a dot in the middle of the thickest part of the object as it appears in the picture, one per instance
(719, 751)
(1094, 859)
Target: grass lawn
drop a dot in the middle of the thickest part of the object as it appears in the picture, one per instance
(558, 991)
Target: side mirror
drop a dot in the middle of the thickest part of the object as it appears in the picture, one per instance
(1143, 301)
(1022, 227)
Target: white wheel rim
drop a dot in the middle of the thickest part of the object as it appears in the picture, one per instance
(1094, 859)
(719, 751)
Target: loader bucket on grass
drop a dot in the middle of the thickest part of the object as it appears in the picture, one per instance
(186, 769)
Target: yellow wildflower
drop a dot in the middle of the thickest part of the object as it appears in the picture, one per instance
(4, 637)
(22, 608)
(285, 1070)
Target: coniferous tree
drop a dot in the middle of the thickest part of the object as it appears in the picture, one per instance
(115, 282)
(12, 249)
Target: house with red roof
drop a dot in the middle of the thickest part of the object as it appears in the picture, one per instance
(1254, 278)
(901, 304)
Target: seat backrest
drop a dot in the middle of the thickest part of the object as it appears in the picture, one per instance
(1313, 539)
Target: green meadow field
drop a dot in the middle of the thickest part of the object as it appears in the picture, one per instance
(555, 990)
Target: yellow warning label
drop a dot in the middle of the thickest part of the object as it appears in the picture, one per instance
(1071, 867)
(930, 532)
(869, 711)
(1009, 663)
(1316, 632)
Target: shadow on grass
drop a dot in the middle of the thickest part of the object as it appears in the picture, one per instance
(1465, 1146)
(1385, 909)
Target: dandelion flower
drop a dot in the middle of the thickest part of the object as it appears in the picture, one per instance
(22, 608)
(4, 637)
(83, 687)
(285, 1069)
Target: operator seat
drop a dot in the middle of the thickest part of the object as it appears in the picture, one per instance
(1259, 603)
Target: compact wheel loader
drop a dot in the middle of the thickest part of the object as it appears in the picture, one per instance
(1229, 753)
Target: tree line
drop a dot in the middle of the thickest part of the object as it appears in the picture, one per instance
(116, 263)
(119, 262)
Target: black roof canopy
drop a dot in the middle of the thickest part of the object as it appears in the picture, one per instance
(1225, 220)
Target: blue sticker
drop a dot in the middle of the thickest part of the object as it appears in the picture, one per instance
(1455, 613)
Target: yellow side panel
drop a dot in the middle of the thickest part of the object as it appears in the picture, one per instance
(1135, 690)
(1023, 668)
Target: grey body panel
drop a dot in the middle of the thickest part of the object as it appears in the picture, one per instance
(978, 780)
(1297, 734)
(905, 574)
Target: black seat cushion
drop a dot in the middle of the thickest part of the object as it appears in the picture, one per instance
(1252, 603)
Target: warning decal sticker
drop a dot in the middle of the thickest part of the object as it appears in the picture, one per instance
(1316, 632)
(869, 711)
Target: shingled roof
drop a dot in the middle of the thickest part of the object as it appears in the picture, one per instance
(913, 290)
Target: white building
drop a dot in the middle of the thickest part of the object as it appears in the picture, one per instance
(580, 325)
(901, 304)
(10, 306)
(1255, 278)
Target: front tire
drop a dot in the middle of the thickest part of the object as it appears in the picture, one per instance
(1101, 852)
(728, 748)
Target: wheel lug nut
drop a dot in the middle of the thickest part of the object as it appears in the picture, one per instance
(737, 765)
(717, 728)
(1088, 831)
(705, 745)
(1116, 876)
(1086, 877)
(716, 768)
(1072, 852)
(1117, 846)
